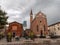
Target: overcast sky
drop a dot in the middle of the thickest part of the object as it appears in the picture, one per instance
(19, 10)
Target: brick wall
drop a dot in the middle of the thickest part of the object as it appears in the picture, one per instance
(39, 23)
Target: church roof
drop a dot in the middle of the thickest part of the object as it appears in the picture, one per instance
(15, 22)
(39, 14)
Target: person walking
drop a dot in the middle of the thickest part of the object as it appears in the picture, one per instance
(9, 37)
(0, 35)
(31, 35)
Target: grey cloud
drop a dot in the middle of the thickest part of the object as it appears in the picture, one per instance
(49, 7)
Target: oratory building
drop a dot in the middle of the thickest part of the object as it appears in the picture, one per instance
(15, 28)
(39, 24)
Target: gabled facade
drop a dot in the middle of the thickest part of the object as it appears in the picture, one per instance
(16, 28)
(39, 24)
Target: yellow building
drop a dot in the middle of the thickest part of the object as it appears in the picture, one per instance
(54, 28)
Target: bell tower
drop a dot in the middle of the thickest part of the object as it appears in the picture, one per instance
(31, 18)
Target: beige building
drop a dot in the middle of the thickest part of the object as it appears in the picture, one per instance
(39, 24)
(54, 28)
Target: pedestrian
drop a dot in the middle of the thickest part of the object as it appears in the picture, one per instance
(0, 36)
(31, 35)
(9, 37)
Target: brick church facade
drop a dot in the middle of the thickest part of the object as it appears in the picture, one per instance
(16, 29)
(39, 24)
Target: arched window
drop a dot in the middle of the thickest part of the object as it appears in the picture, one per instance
(58, 28)
(37, 28)
(40, 21)
(44, 27)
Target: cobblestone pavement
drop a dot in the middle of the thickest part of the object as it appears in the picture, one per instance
(37, 41)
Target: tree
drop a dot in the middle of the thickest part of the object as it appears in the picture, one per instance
(3, 18)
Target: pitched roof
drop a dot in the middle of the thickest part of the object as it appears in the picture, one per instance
(15, 22)
(54, 24)
(38, 14)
